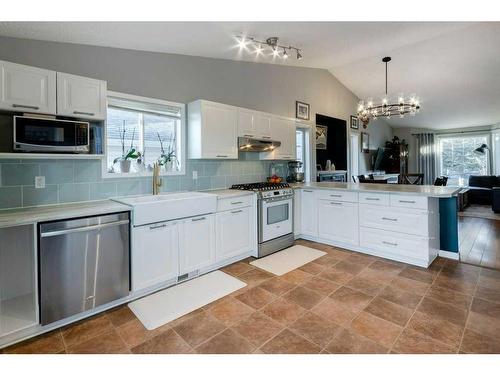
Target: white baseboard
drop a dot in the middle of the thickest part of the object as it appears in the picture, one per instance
(449, 254)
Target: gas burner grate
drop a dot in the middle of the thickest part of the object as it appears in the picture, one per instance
(261, 186)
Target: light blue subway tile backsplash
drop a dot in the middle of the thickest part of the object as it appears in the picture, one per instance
(10, 197)
(37, 197)
(19, 174)
(81, 180)
(58, 172)
(74, 193)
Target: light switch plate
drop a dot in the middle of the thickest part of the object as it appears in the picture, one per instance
(195, 175)
(40, 182)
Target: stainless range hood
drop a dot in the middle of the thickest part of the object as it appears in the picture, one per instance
(257, 145)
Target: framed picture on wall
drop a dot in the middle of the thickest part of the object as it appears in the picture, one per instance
(365, 142)
(321, 137)
(302, 110)
(354, 123)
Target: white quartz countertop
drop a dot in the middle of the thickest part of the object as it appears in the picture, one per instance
(30, 215)
(229, 193)
(426, 190)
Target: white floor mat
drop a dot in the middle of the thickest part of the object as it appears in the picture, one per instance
(162, 307)
(288, 259)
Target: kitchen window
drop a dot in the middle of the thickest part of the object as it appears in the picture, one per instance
(457, 159)
(141, 131)
(303, 149)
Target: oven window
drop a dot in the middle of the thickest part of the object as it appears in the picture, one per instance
(276, 214)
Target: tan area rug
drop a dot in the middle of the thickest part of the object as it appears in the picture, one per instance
(162, 307)
(287, 260)
(481, 211)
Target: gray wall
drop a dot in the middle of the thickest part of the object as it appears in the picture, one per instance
(180, 78)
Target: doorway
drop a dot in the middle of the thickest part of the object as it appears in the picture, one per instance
(354, 154)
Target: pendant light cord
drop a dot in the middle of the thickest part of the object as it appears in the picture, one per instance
(386, 78)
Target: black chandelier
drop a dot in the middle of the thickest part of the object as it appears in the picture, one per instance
(368, 110)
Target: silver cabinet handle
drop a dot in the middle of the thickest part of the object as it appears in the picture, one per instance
(372, 199)
(199, 219)
(336, 195)
(237, 211)
(90, 297)
(336, 203)
(25, 106)
(157, 226)
(83, 229)
(248, 135)
(308, 191)
(389, 219)
(266, 137)
(221, 156)
(401, 201)
(84, 113)
(239, 202)
(390, 243)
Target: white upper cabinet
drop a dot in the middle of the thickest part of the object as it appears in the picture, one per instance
(253, 124)
(283, 130)
(81, 97)
(27, 89)
(212, 130)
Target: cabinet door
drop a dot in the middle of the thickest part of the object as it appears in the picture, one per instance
(338, 221)
(27, 89)
(263, 126)
(282, 130)
(246, 123)
(219, 131)
(196, 243)
(81, 97)
(155, 250)
(309, 213)
(233, 233)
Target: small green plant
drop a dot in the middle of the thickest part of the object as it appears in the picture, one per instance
(131, 153)
(169, 154)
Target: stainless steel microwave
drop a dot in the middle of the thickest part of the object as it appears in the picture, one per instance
(47, 135)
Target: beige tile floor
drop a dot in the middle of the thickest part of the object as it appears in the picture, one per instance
(343, 302)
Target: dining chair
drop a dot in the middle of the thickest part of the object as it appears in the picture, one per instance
(412, 179)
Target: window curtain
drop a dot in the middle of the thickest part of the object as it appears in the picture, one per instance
(426, 157)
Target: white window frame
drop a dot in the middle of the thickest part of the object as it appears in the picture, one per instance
(182, 106)
(438, 150)
(308, 150)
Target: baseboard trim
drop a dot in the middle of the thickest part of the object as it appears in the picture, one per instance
(449, 254)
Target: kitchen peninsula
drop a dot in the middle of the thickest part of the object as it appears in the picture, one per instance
(407, 223)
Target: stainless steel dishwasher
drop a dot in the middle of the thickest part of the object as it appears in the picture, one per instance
(84, 263)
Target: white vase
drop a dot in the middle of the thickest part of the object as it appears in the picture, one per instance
(125, 166)
(169, 166)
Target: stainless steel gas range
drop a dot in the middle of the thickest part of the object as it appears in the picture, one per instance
(274, 215)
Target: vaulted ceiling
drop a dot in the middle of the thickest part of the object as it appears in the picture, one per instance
(453, 67)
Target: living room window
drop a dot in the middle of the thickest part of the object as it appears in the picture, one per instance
(458, 160)
(141, 131)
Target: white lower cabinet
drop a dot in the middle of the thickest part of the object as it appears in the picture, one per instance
(338, 221)
(155, 254)
(309, 217)
(233, 233)
(196, 243)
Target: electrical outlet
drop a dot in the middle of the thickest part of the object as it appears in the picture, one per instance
(40, 182)
(195, 175)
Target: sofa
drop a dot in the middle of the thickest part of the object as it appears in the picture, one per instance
(485, 190)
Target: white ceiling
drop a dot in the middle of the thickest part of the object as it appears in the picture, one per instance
(453, 67)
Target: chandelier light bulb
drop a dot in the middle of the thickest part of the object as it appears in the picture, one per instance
(258, 50)
(242, 42)
(276, 53)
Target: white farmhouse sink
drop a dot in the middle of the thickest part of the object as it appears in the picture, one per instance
(149, 209)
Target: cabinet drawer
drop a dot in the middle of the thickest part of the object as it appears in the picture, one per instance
(234, 202)
(397, 244)
(374, 198)
(409, 201)
(337, 195)
(394, 219)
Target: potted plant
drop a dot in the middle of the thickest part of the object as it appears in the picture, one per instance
(167, 158)
(127, 156)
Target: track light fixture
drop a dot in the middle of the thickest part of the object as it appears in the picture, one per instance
(272, 43)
